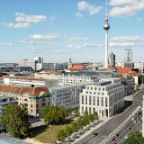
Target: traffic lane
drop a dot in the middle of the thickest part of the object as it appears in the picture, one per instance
(133, 128)
(105, 129)
(126, 112)
(110, 127)
(122, 133)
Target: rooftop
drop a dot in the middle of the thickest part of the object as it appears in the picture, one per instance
(103, 83)
(69, 86)
(92, 73)
(4, 139)
(32, 91)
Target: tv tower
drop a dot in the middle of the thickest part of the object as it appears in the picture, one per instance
(106, 28)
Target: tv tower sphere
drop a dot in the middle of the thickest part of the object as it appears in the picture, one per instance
(106, 25)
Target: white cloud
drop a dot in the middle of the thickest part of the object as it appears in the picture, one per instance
(121, 44)
(84, 6)
(128, 38)
(78, 14)
(17, 25)
(76, 38)
(45, 37)
(21, 17)
(126, 8)
(120, 2)
(28, 42)
(6, 44)
(86, 45)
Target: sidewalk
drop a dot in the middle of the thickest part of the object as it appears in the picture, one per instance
(131, 97)
(100, 123)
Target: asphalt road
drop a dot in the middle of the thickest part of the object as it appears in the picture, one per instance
(111, 126)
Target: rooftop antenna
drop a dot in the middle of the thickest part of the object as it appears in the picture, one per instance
(106, 10)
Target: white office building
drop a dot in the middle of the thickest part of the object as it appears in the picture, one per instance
(105, 97)
(139, 66)
(73, 79)
(67, 96)
(23, 81)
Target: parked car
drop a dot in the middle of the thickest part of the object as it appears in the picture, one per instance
(128, 128)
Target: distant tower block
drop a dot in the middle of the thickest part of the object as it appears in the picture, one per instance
(106, 28)
(127, 55)
(112, 60)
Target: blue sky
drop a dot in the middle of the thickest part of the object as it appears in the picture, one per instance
(59, 29)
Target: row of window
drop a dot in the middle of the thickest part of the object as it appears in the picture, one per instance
(97, 101)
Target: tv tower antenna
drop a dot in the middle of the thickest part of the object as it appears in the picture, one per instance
(106, 28)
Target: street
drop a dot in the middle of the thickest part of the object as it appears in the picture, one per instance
(116, 124)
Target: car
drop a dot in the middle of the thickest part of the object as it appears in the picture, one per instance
(113, 139)
(116, 135)
(128, 128)
(94, 133)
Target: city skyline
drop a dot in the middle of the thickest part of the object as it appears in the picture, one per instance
(59, 30)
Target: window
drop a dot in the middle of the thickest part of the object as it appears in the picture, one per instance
(102, 102)
(93, 100)
(106, 102)
(31, 106)
(86, 99)
(43, 100)
(89, 100)
(97, 101)
(82, 99)
(89, 110)
(82, 109)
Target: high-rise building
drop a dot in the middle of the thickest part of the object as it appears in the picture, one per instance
(106, 28)
(127, 55)
(112, 60)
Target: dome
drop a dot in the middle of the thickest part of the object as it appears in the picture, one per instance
(106, 25)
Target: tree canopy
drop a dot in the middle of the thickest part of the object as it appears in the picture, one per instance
(134, 138)
(54, 114)
(15, 120)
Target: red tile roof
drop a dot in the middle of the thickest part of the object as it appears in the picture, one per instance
(123, 70)
(32, 91)
(77, 67)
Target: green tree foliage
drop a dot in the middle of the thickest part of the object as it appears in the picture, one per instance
(54, 115)
(134, 138)
(68, 130)
(15, 120)
(61, 135)
(76, 112)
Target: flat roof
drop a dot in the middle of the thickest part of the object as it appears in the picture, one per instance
(103, 83)
(70, 86)
(5, 139)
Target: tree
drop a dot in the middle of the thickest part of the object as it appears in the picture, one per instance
(76, 112)
(68, 130)
(134, 138)
(61, 135)
(15, 120)
(54, 114)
